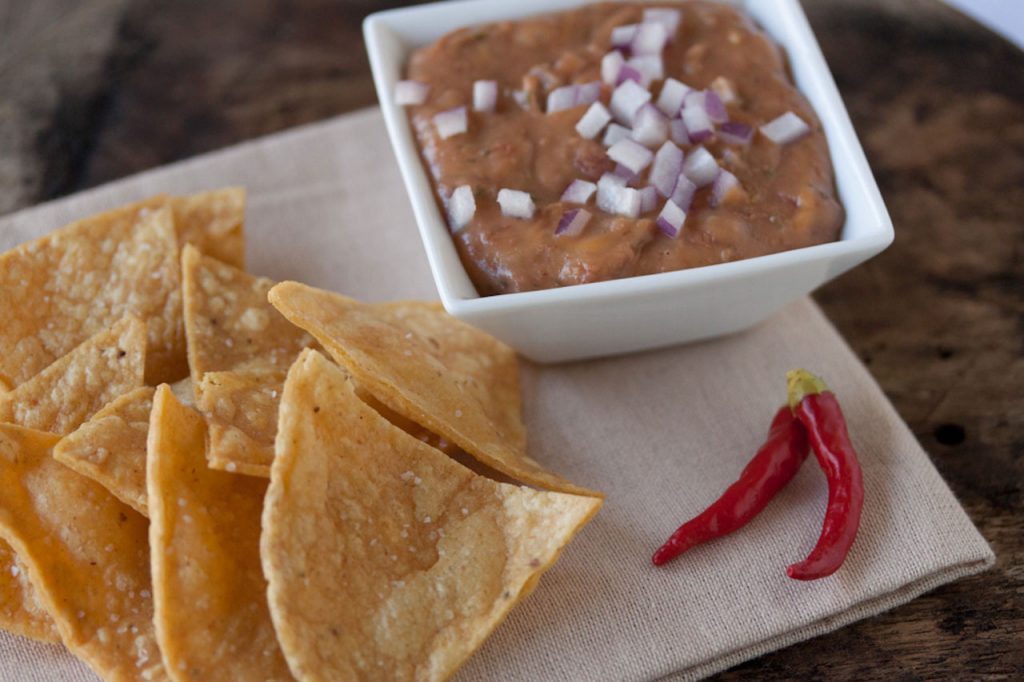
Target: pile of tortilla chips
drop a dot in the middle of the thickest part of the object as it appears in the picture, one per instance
(206, 476)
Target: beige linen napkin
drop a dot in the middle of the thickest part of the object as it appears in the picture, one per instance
(662, 433)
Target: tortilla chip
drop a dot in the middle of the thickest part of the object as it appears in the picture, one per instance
(451, 378)
(57, 291)
(20, 610)
(110, 448)
(184, 391)
(214, 222)
(65, 394)
(241, 411)
(86, 554)
(385, 558)
(229, 323)
(208, 586)
(232, 330)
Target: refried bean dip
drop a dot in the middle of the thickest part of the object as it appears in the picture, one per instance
(710, 155)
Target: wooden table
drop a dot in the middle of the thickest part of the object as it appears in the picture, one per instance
(90, 92)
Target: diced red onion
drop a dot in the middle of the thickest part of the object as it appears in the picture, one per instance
(631, 154)
(723, 87)
(628, 202)
(485, 95)
(734, 132)
(650, 38)
(411, 93)
(615, 133)
(521, 98)
(671, 219)
(724, 183)
(562, 98)
(609, 179)
(669, 18)
(622, 36)
(632, 179)
(682, 194)
(608, 187)
(578, 192)
(572, 222)
(629, 72)
(614, 197)
(700, 167)
(650, 127)
(611, 63)
(648, 199)
(588, 93)
(515, 204)
(713, 105)
(668, 164)
(626, 100)
(650, 66)
(461, 207)
(451, 122)
(623, 172)
(592, 122)
(670, 99)
(785, 128)
(678, 132)
(695, 116)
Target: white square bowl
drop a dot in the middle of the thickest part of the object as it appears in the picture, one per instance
(649, 311)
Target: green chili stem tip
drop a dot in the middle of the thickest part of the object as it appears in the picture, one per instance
(800, 383)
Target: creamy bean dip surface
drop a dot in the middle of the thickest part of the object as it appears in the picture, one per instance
(760, 190)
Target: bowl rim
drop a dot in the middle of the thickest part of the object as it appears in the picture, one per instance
(457, 293)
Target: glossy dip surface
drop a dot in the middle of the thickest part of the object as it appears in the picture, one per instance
(787, 200)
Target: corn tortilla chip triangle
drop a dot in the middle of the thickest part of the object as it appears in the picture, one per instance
(87, 556)
(385, 558)
(184, 391)
(65, 394)
(57, 291)
(110, 448)
(229, 323)
(241, 411)
(451, 378)
(233, 331)
(210, 594)
(20, 610)
(214, 222)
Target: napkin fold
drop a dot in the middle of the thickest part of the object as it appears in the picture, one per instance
(662, 433)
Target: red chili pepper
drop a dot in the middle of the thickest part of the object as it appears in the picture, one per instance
(769, 471)
(818, 410)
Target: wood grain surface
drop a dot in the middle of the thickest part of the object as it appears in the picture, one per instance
(90, 92)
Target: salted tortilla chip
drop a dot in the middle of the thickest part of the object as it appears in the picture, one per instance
(214, 222)
(229, 323)
(241, 411)
(232, 330)
(87, 556)
(65, 394)
(385, 558)
(432, 439)
(184, 391)
(451, 378)
(20, 610)
(210, 595)
(57, 291)
(110, 448)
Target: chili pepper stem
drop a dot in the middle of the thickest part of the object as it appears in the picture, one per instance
(800, 383)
